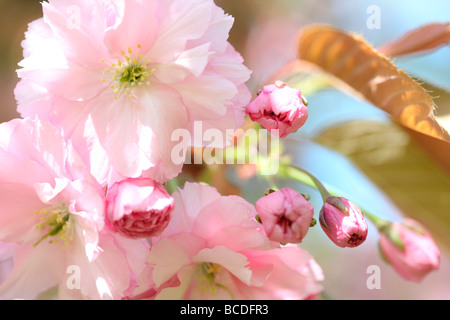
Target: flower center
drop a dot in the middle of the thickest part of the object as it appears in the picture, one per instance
(55, 223)
(284, 223)
(207, 281)
(129, 72)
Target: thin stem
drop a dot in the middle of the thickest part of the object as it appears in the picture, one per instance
(298, 174)
(379, 223)
(307, 178)
(272, 182)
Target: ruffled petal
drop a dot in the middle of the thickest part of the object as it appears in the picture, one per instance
(233, 261)
(162, 113)
(25, 282)
(180, 21)
(18, 204)
(79, 29)
(170, 255)
(137, 27)
(188, 203)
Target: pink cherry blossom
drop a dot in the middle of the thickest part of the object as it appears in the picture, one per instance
(286, 215)
(279, 108)
(52, 213)
(121, 76)
(213, 248)
(343, 222)
(416, 256)
(139, 208)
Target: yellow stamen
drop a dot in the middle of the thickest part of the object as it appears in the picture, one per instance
(130, 72)
(56, 223)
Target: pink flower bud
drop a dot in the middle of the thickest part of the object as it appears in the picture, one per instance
(343, 222)
(139, 208)
(280, 107)
(414, 253)
(286, 215)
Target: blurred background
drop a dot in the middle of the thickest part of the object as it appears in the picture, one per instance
(350, 145)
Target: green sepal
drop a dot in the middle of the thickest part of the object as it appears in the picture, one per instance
(269, 191)
(382, 255)
(339, 204)
(322, 220)
(393, 235)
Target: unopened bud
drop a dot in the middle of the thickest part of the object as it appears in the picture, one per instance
(139, 208)
(279, 108)
(410, 249)
(286, 215)
(345, 226)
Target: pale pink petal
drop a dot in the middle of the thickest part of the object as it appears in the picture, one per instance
(181, 290)
(72, 82)
(169, 255)
(28, 172)
(78, 29)
(87, 205)
(90, 275)
(295, 275)
(192, 61)
(227, 125)
(217, 33)
(110, 275)
(111, 121)
(27, 283)
(139, 25)
(48, 192)
(163, 112)
(33, 140)
(240, 238)
(40, 48)
(92, 154)
(234, 262)
(206, 95)
(230, 64)
(18, 204)
(181, 21)
(135, 254)
(32, 99)
(6, 259)
(188, 203)
(233, 211)
(120, 262)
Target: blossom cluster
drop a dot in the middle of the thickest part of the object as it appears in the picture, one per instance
(103, 84)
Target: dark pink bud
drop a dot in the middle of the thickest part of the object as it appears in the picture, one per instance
(279, 107)
(139, 208)
(343, 222)
(286, 215)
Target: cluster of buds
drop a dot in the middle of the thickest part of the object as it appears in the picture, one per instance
(287, 215)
